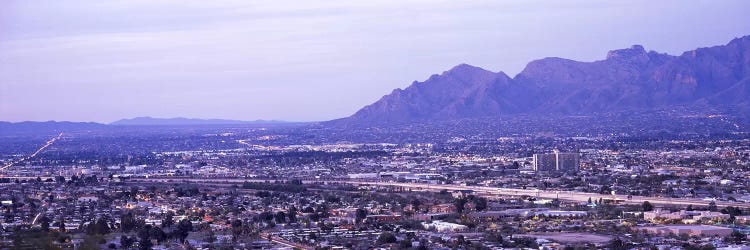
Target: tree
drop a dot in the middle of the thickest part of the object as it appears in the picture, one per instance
(326, 227)
(647, 206)
(292, 214)
(184, 227)
(460, 202)
(210, 237)
(145, 233)
(493, 237)
(127, 222)
(168, 219)
(415, 203)
(712, 206)
(92, 242)
(460, 240)
(144, 236)
(280, 217)
(405, 244)
(308, 210)
(707, 247)
(126, 241)
(157, 234)
(323, 211)
(480, 203)
(738, 237)
(730, 210)
(44, 222)
(386, 238)
(617, 244)
(33, 239)
(102, 227)
(361, 214)
(236, 229)
(145, 244)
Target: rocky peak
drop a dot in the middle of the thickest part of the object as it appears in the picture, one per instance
(463, 70)
(635, 53)
(740, 40)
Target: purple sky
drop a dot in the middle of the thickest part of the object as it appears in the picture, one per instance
(94, 60)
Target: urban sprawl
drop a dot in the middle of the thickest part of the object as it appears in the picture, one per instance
(281, 188)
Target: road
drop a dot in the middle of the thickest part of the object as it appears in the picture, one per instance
(486, 191)
(283, 242)
(47, 144)
(42, 210)
(562, 195)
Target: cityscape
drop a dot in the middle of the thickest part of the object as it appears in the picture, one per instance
(301, 186)
(288, 125)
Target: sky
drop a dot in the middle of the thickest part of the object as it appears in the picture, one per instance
(93, 60)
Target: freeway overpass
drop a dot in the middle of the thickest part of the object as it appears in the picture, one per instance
(480, 190)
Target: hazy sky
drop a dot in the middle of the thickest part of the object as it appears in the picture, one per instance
(95, 60)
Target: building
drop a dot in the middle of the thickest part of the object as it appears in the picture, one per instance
(443, 208)
(363, 176)
(384, 217)
(567, 162)
(556, 162)
(685, 216)
(444, 227)
(545, 162)
(558, 213)
(88, 198)
(744, 219)
(692, 230)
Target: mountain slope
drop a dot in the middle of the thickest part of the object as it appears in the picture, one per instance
(630, 78)
(461, 91)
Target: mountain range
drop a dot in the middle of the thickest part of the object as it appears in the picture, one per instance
(181, 121)
(53, 127)
(627, 79)
(30, 127)
(707, 80)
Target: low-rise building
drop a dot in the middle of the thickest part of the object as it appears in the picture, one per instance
(692, 230)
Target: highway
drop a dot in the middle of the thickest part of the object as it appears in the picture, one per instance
(482, 191)
(47, 144)
(283, 242)
(42, 210)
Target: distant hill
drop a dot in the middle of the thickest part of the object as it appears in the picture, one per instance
(628, 79)
(54, 127)
(179, 121)
(48, 127)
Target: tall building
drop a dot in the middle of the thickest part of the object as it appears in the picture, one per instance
(545, 162)
(556, 161)
(567, 162)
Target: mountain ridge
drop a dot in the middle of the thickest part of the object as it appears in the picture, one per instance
(629, 78)
(52, 127)
(180, 121)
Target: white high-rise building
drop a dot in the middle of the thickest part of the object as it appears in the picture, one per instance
(556, 161)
